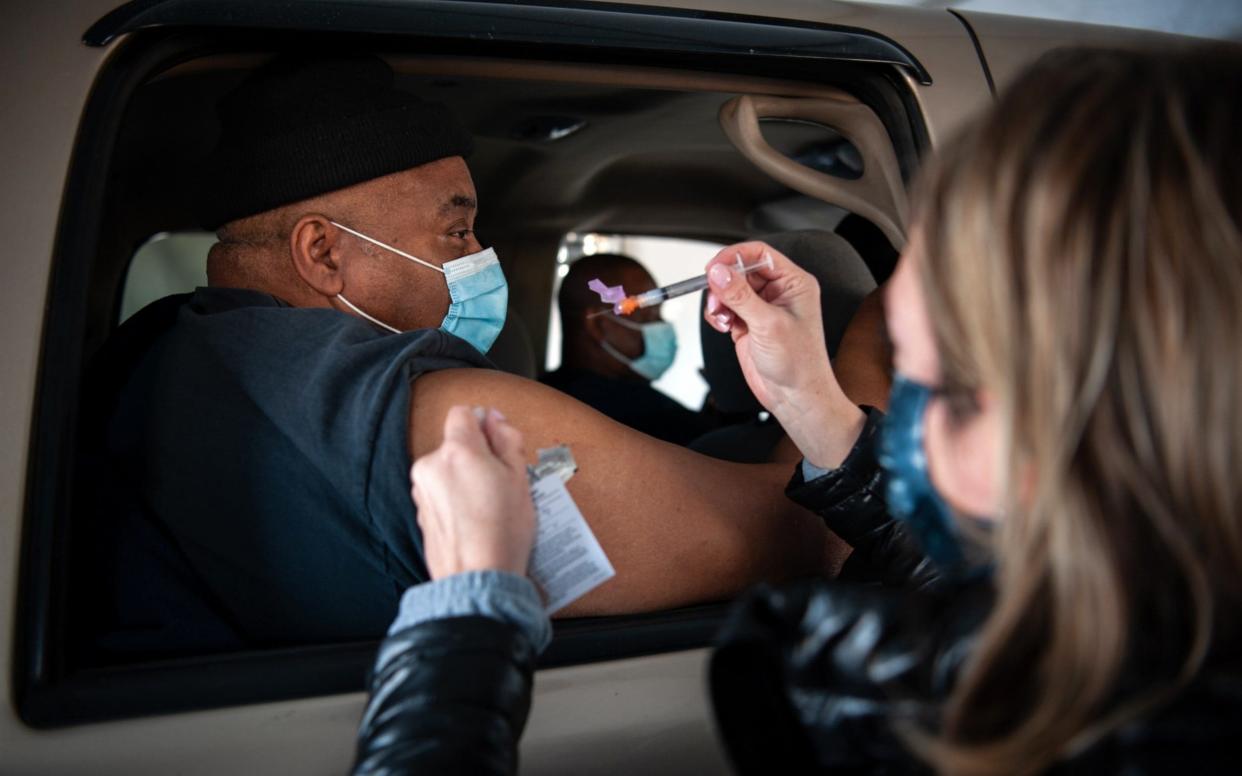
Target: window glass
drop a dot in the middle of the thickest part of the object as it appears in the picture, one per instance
(168, 263)
(669, 260)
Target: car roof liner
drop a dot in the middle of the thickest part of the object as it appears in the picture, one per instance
(605, 26)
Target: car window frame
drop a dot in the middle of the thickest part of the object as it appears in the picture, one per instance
(48, 692)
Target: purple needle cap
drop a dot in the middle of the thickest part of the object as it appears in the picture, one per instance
(607, 294)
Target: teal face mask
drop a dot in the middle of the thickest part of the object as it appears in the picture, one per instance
(909, 491)
(659, 348)
(911, 496)
(477, 288)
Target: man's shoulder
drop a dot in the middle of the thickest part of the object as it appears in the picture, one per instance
(239, 331)
(163, 315)
(252, 320)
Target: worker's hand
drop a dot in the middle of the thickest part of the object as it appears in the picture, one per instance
(474, 504)
(774, 317)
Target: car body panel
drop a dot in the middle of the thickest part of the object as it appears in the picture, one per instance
(936, 38)
(648, 714)
(48, 75)
(610, 26)
(655, 710)
(1009, 43)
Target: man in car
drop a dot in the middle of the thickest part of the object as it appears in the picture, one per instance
(609, 362)
(262, 430)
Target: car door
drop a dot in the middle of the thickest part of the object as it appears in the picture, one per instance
(613, 695)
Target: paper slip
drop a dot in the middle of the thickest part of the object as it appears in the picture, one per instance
(567, 561)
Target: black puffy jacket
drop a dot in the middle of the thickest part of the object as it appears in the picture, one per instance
(809, 677)
(805, 678)
(447, 697)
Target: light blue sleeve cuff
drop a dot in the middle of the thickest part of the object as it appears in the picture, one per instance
(812, 472)
(496, 594)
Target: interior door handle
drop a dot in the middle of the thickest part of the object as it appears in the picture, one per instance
(879, 195)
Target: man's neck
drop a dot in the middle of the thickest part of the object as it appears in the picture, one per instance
(246, 266)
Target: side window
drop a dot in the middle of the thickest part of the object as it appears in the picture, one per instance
(168, 263)
(668, 259)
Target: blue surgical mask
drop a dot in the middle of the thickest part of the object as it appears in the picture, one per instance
(477, 288)
(911, 496)
(659, 348)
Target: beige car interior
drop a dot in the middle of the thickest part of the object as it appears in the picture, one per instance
(878, 195)
(621, 150)
(655, 152)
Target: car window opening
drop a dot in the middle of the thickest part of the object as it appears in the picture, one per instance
(646, 168)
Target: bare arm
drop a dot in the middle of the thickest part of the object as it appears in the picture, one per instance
(864, 355)
(678, 527)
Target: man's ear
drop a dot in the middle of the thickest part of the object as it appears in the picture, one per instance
(316, 246)
(593, 325)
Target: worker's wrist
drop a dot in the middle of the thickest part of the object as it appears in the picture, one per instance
(825, 432)
(480, 559)
(812, 397)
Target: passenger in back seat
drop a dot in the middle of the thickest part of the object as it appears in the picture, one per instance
(609, 362)
(260, 430)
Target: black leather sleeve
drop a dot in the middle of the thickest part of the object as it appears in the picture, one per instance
(814, 676)
(850, 499)
(447, 697)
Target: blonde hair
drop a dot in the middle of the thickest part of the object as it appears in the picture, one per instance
(1083, 261)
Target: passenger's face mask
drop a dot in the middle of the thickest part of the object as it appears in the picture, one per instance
(911, 496)
(659, 348)
(477, 288)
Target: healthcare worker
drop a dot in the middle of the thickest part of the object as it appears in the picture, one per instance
(1050, 506)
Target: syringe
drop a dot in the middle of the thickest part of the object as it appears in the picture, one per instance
(657, 296)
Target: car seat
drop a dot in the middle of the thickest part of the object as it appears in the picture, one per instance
(512, 351)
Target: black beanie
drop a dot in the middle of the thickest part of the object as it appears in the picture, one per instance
(300, 127)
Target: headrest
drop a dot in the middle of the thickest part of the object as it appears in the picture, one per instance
(844, 281)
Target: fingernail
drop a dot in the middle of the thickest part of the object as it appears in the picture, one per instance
(720, 275)
(712, 304)
(498, 415)
(722, 321)
(479, 413)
